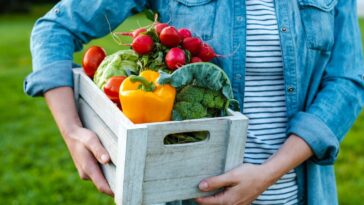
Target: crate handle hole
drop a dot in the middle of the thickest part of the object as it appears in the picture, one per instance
(186, 137)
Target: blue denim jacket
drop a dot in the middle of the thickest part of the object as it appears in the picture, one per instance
(322, 56)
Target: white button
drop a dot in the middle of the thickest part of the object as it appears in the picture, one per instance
(56, 10)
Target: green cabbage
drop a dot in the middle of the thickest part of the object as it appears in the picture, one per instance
(121, 63)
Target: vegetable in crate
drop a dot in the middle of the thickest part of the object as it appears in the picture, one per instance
(143, 100)
(112, 87)
(195, 102)
(175, 58)
(163, 47)
(204, 90)
(121, 63)
(143, 44)
(92, 59)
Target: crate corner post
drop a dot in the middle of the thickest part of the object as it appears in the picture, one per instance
(130, 176)
(237, 136)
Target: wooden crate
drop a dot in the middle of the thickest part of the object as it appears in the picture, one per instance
(146, 171)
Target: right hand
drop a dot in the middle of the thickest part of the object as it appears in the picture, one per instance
(86, 151)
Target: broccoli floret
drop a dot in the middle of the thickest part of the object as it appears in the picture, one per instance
(194, 102)
(213, 99)
(188, 110)
(190, 94)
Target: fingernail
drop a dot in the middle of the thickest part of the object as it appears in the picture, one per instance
(104, 158)
(203, 185)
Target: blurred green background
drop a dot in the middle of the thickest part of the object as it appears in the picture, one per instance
(36, 167)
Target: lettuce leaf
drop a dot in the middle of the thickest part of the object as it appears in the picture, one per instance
(121, 63)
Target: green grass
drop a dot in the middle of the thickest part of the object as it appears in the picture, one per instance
(36, 167)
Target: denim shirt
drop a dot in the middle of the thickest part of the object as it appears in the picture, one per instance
(322, 57)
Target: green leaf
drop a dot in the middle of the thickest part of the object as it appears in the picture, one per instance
(150, 14)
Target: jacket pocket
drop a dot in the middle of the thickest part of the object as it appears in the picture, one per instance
(196, 15)
(317, 17)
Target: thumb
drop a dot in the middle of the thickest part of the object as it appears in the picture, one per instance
(217, 182)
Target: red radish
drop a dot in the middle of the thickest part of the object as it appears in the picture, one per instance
(207, 53)
(133, 34)
(159, 27)
(184, 33)
(92, 59)
(196, 60)
(175, 58)
(112, 87)
(169, 37)
(192, 44)
(142, 44)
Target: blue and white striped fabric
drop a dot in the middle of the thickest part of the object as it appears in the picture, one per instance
(264, 102)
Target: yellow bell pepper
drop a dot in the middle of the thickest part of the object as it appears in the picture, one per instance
(143, 100)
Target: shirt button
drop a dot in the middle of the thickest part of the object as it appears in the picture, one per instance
(290, 89)
(284, 29)
(56, 11)
(239, 18)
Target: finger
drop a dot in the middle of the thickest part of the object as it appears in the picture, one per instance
(217, 182)
(94, 145)
(83, 175)
(217, 199)
(94, 172)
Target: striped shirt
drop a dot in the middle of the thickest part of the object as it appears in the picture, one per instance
(264, 101)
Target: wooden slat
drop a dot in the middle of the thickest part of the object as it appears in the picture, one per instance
(217, 127)
(76, 83)
(160, 191)
(185, 163)
(109, 171)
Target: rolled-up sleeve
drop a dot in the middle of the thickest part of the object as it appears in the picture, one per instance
(341, 96)
(63, 31)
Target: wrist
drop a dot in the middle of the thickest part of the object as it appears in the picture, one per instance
(68, 130)
(62, 105)
(293, 152)
(271, 172)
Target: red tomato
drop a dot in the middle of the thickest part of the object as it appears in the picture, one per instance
(112, 87)
(92, 59)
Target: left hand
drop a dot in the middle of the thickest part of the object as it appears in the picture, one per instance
(242, 185)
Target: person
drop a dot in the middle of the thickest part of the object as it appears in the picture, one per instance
(297, 71)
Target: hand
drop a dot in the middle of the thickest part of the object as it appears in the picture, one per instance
(84, 146)
(242, 185)
(86, 150)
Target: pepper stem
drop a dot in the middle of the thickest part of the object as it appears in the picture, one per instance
(145, 85)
